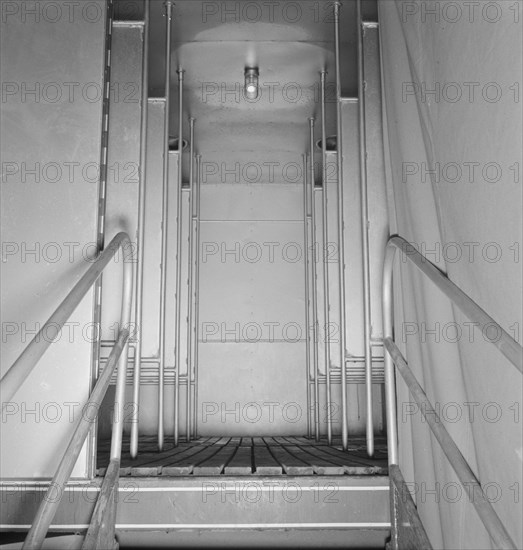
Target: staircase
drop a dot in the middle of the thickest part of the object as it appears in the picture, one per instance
(260, 489)
(296, 507)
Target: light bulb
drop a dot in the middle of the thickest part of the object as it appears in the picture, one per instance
(251, 83)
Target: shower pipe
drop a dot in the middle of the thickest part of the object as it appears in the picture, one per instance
(141, 234)
(341, 236)
(165, 198)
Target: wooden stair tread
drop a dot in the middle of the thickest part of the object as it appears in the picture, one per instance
(183, 463)
(264, 462)
(322, 464)
(245, 456)
(241, 462)
(215, 464)
(291, 464)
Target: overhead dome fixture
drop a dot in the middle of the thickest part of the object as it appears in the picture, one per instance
(251, 83)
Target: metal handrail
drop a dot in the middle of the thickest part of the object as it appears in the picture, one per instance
(506, 344)
(22, 367)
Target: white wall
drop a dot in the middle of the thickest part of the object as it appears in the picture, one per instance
(471, 226)
(49, 190)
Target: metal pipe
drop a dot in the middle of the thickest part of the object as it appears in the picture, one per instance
(505, 343)
(307, 291)
(314, 286)
(22, 367)
(367, 330)
(121, 379)
(390, 383)
(341, 228)
(325, 256)
(197, 288)
(190, 275)
(141, 234)
(165, 209)
(179, 220)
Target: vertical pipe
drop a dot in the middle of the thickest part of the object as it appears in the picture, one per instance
(165, 197)
(324, 256)
(365, 234)
(341, 237)
(307, 291)
(314, 286)
(197, 288)
(141, 234)
(179, 220)
(390, 384)
(190, 275)
(121, 376)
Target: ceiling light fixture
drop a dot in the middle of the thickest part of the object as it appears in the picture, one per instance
(251, 83)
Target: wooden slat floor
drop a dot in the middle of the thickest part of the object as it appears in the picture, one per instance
(239, 456)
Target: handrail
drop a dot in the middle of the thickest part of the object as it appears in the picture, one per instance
(507, 345)
(22, 367)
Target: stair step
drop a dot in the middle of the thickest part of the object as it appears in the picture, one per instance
(292, 465)
(241, 463)
(185, 463)
(215, 465)
(65, 542)
(176, 507)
